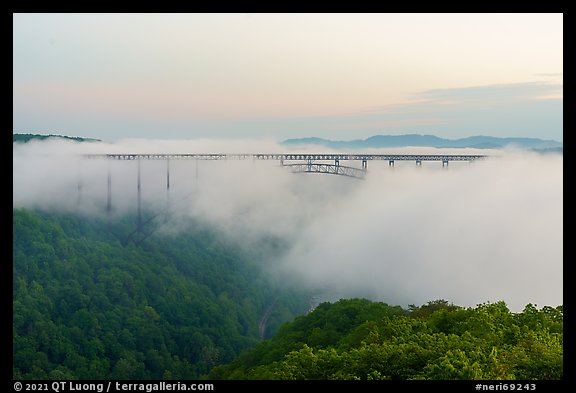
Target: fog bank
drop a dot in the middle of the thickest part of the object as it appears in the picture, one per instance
(470, 233)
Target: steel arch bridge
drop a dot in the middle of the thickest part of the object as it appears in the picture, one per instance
(304, 162)
(324, 163)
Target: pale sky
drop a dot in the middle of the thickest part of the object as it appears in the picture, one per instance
(279, 76)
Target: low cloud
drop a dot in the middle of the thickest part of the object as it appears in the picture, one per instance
(486, 231)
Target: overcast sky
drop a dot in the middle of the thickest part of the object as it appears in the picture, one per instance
(278, 76)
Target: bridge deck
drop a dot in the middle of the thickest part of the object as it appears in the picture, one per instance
(292, 157)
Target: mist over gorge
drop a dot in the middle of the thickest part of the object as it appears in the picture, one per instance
(469, 233)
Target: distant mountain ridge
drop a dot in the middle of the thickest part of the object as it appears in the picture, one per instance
(23, 138)
(478, 142)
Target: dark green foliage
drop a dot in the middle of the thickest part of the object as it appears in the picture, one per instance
(87, 307)
(359, 339)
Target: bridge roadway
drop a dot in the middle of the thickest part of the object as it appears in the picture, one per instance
(309, 157)
(309, 162)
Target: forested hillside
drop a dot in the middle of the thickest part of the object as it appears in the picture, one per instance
(359, 339)
(87, 306)
(23, 138)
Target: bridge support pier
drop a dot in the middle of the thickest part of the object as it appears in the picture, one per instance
(139, 219)
(167, 174)
(444, 163)
(364, 164)
(79, 187)
(109, 200)
(167, 184)
(418, 162)
(78, 195)
(391, 163)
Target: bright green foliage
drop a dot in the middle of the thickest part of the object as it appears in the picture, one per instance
(85, 306)
(434, 341)
(338, 325)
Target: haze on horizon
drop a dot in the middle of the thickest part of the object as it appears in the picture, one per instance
(280, 76)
